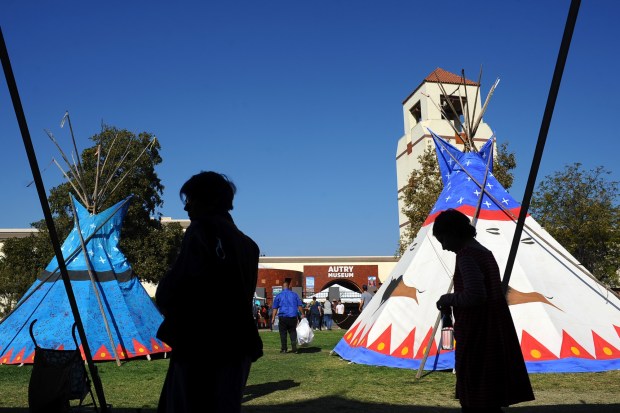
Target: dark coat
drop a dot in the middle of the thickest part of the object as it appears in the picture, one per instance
(490, 370)
(211, 286)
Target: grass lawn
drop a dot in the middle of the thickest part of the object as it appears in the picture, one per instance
(315, 380)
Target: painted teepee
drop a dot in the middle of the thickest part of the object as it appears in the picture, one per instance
(119, 318)
(565, 319)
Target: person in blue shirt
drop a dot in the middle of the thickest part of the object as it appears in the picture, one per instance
(286, 306)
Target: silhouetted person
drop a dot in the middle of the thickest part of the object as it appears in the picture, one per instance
(490, 370)
(213, 249)
(287, 306)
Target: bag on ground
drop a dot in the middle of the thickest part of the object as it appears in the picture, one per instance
(305, 335)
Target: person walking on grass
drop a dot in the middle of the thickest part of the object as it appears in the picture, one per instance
(315, 314)
(212, 248)
(286, 306)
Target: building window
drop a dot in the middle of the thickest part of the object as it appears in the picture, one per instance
(457, 113)
(416, 112)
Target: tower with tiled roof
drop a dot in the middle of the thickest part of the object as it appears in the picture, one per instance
(445, 103)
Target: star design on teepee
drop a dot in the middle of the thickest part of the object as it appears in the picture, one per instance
(504, 201)
(461, 199)
(487, 203)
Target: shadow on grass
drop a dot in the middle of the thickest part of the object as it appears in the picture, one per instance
(263, 389)
(341, 405)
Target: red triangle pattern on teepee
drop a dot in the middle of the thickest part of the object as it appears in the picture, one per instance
(617, 330)
(570, 348)
(103, 354)
(19, 358)
(156, 347)
(122, 352)
(7, 357)
(30, 358)
(433, 349)
(405, 350)
(603, 349)
(351, 333)
(533, 350)
(383, 342)
(139, 348)
(364, 341)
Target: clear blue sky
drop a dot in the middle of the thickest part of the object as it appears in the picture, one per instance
(300, 103)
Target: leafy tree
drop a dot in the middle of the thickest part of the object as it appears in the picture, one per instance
(23, 260)
(118, 165)
(580, 210)
(425, 185)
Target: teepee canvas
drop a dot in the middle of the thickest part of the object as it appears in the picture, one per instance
(119, 318)
(565, 319)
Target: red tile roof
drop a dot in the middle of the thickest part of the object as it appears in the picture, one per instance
(443, 76)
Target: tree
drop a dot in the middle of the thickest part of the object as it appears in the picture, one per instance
(424, 187)
(23, 260)
(118, 165)
(580, 210)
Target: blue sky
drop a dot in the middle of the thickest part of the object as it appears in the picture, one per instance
(299, 103)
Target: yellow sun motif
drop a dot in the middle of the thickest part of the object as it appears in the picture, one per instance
(102, 355)
(607, 351)
(349, 336)
(381, 346)
(17, 358)
(575, 351)
(156, 347)
(404, 351)
(535, 353)
(141, 350)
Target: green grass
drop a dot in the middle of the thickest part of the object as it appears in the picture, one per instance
(316, 380)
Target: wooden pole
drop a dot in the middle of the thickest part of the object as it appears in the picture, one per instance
(542, 136)
(23, 126)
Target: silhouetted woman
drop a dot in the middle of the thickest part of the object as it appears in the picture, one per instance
(490, 370)
(214, 253)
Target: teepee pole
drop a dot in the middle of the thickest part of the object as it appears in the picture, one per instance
(542, 136)
(92, 281)
(32, 159)
(71, 256)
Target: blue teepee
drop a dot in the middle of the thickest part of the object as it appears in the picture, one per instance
(119, 317)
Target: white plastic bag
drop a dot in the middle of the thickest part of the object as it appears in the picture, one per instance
(305, 335)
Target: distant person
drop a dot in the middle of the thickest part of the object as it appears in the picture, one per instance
(286, 306)
(489, 365)
(327, 314)
(366, 297)
(213, 248)
(316, 311)
(339, 307)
